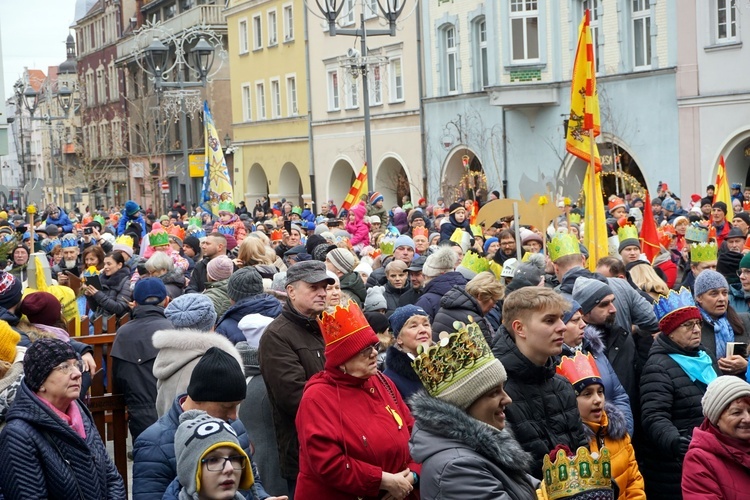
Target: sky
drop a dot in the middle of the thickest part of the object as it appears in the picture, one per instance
(33, 34)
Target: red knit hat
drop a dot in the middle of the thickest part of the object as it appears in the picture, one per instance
(670, 322)
(346, 332)
(42, 308)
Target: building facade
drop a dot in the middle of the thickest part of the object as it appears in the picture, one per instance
(270, 112)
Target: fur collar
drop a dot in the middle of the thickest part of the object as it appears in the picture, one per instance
(399, 362)
(445, 420)
(592, 340)
(616, 427)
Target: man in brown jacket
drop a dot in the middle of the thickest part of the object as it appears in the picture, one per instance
(291, 351)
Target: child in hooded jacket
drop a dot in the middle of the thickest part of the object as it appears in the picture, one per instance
(358, 228)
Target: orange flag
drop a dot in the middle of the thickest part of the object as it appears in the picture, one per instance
(358, 189)
(649, 234)
(722, 188)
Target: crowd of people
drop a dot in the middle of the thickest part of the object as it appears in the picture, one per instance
(280, 352)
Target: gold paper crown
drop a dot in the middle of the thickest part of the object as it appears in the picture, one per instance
(627, 232)
(277, 235)
(575, 218)
(343, 322)
(563, 244)
(704, 252)
(475, 263)
(580, 370)
(387, 245)
(569, 476)
(476, 229)
(457, 236)
(158, 238)
(176, 231)
(455, 356)
(496, 269)
(420, 231)
(125, 240)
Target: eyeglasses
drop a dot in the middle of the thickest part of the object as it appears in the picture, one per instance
(217, 464)
(367, 351)
(690, 325)
(742, 272)
(65, 368)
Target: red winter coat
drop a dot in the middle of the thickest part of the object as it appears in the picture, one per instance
(348, 437)
(716, 466)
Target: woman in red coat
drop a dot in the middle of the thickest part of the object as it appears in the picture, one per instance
(353, 426)
(717, 464)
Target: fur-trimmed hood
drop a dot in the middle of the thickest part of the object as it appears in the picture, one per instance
(454, 428)
(592, 340)
(613, 424)
(177, 348)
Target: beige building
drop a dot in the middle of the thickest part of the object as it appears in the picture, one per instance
(337, 111)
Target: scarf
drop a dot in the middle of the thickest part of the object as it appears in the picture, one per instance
(697, 368)
(72, 416)
(723, 332)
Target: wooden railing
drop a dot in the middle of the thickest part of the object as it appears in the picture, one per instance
(107, 407)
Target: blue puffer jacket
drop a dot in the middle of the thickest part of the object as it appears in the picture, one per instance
(262, 304)
(123, 224)
(62, 222)
(436, 288)
(42, 457)
(155, 464)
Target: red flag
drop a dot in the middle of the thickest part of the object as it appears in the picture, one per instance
(649, 234)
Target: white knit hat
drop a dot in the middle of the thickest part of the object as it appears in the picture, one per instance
(440, 262)
(720, 394)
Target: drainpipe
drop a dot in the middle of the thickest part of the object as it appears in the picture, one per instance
(505, 158)
(420, 83)
(311, 170)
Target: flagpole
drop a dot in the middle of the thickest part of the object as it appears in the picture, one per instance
(592, 181)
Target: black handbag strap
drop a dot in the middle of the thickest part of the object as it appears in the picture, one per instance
(67, 462)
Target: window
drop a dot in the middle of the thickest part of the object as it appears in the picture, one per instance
(272, 31)
(347, 13)
(352, 93)
(275, 99)
(726, 20)
(642, 33)
(451, 59)
(480, 41)
(333, 90)
(524, 30)
(594, 6)
(260, 91)
(371, 9)
(257, 33)
(397, 80)
(376, 87)
(243, 36)
(247, 106)
(288, 23)
(291, 96)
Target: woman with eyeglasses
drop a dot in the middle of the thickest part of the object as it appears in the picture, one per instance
(352, 423)
(673, 382)
(739, 293)
(721, 323)
(50, 447)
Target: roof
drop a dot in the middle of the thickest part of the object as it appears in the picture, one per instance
(36, 78)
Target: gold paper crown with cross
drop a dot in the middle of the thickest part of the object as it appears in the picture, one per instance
(563, 244)
(704, 252)
(475, 263)
(580, 474)
(158, 238)
(627, 232)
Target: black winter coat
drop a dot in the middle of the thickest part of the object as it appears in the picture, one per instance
(198, 277)
(399, 370)
(113, 299)
(43, 457)
(174, 281)
(352, 284)
(670, 410)
(392, 296)
(133, 356)
(544, 412)
(458, 305)
(436, 288)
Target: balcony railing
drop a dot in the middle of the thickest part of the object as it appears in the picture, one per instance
(208, 15)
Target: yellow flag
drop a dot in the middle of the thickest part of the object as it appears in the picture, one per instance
(216, 186)
(358, 189)
(722, 189)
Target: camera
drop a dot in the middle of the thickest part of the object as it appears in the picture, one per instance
(88, 230)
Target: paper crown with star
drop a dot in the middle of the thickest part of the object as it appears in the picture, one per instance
(584, 475)
(474, 262)
(704, 252)
(580, 370)
(696, 233)
(158, 238)
(563, 244)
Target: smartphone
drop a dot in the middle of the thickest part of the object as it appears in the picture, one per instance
(288, 226)
(88, 230)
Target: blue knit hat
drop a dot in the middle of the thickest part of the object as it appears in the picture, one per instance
(404, 241)
(192, 311)
(574, 308)
(132, 208)
(489, 242)
(709, 280)
(402, 314)
(375, 197)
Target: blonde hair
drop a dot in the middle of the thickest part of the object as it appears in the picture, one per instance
(398, 266)
(521, 302)
(484, 287)
(253, 252)
(647, 280)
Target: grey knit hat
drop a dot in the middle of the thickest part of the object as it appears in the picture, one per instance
(342, 259)
(375, 299)
(245, 283)
(720, 394)
(199, 434)
(192, 311)
(442, 261)
(709, 280)
(589, 292)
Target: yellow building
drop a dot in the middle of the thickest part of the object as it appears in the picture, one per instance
(270, 126)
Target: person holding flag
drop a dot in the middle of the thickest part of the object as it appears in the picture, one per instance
(217, 188)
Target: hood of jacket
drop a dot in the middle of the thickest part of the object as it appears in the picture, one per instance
(709, 438)
(219, 285)
(400, 362)
(141, 311)
(266, 271)
(458, 298)
(459, 430)
(664, 345)
(352, 282)
(592, 340)
(737, 292)
(569, 279)
(613, 424)
(443, 283)
(516, 363)
(262, 304)
(177, 348)
(174, 277)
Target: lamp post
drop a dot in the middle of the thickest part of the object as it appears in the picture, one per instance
(30, 100)
(194, 51)
(358, 63)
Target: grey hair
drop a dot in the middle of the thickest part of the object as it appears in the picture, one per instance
(160, 261)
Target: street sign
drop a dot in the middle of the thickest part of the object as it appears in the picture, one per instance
(165, 187)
